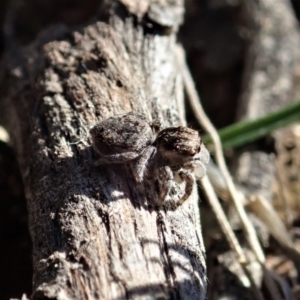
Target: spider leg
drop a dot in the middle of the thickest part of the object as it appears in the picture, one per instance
(156, 188)
(186, 176)
(116, 158)
(140, 167)
(166, 187)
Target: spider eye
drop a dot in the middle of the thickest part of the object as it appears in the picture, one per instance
(176, 147)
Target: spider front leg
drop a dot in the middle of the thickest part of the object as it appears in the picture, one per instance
(116, 158)
(166, 179)
(159, 185)
(140, 167)
(187, 177)
(167, 184)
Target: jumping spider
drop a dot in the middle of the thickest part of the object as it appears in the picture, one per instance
(133, 138)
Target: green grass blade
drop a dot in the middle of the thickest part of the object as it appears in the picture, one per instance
(242, 133)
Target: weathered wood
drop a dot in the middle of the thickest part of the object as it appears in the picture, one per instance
(94, 236)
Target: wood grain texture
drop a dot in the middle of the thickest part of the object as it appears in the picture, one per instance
(93, 236)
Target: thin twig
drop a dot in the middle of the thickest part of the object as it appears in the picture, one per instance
(205, 122)
(288, 217)
(226, 228)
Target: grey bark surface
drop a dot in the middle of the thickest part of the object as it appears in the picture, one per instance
(270, 78)
(93, 236)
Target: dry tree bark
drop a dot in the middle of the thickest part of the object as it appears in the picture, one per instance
(93, 235)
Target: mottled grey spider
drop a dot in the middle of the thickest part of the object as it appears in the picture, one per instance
(133, 138)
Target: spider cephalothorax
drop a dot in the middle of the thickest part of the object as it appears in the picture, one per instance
(177, 145)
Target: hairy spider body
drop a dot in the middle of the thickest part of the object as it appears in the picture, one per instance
(127, 134)
(133, 138)
(177, 145)
(180, 149)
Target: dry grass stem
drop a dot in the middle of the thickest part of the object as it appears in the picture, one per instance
(226, 228)
(235, 196)
(207, 125)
